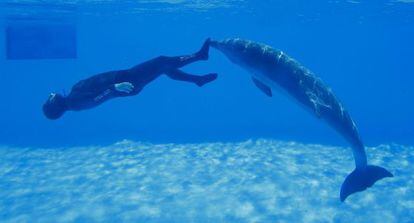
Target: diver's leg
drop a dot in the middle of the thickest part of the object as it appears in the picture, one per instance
(164, 64)
(180, 75)
(180, 61)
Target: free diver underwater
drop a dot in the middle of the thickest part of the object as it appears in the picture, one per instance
(99, 88)
(272, 69)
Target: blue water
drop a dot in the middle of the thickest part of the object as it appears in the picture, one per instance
(221, 153)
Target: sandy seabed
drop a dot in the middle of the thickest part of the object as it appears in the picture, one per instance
(251, 181)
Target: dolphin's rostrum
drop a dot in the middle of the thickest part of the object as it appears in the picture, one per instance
(273, 69)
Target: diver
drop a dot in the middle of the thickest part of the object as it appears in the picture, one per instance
(99, 88)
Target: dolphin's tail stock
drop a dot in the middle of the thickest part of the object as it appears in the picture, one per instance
(364, 175)
(362, 178)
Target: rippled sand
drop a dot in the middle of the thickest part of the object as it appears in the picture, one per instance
(252, 181)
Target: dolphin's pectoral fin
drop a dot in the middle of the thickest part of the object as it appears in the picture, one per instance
(264, 88)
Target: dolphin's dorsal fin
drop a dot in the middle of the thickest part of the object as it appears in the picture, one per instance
(264, 88)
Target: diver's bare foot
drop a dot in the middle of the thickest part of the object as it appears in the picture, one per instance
(206, 79)
(203, 53)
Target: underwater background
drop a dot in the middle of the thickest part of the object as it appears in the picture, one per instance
(221, 153)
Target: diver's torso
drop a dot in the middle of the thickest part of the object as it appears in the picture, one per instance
(95, 90)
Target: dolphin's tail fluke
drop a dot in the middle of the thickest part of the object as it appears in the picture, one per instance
(362, 178)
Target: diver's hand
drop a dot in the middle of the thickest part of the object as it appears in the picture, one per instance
(125, 87)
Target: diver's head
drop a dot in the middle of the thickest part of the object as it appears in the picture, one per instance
(55, 106)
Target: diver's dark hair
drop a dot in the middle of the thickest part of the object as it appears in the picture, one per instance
(54, 107)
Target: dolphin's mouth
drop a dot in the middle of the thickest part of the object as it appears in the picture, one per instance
(214, 44)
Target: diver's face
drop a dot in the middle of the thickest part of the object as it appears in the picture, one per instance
(52, 97)
(54, 106)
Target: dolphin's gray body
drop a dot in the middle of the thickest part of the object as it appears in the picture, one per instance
(273, 69)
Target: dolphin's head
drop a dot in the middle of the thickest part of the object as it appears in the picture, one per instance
(235, 49)
(242, 52)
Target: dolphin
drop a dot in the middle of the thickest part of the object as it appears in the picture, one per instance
(272, 69)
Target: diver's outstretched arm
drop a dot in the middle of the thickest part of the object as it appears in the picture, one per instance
(180, 75)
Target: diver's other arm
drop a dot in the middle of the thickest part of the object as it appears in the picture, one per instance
(80, 99)
(125, 87)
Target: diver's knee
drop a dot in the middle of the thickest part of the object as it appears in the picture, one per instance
(166, 63)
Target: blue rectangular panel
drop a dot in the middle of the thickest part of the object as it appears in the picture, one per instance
(40, 41)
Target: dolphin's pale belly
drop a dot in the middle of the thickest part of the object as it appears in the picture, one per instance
(280, 72)
(283, 74)
(295, 81)
(277, 70)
